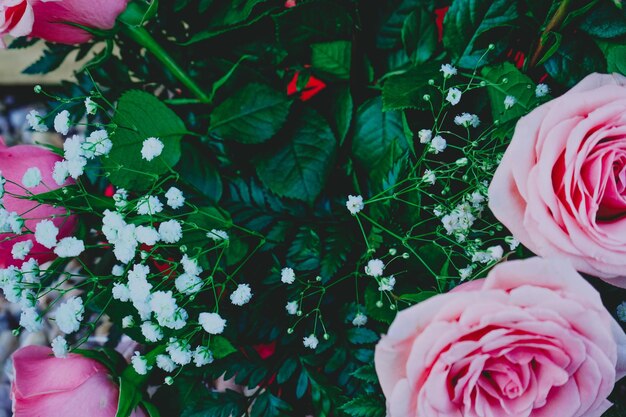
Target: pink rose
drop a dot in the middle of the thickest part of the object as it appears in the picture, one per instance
(14, 162)
(531, 340)
(52, 387)
(47, 19)
(561, 186)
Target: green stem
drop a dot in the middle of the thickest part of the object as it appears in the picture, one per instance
(143, 38)
(554, 23)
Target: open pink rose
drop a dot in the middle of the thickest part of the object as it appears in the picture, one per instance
(75, 386)
(531, 340)
(561, 186)
(47, 19)
(14, 162)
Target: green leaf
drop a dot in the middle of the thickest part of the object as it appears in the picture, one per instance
(616, 59)
(313, 22)
(362, 336)
(378, 140)
(506, 80)
(129, 398)
(299, 168)
(268, 405)
(337, 247)
(302, 384)
(368, 406)
(252, 115)
(287, 370)
(332, 58)
(605, 22)
(213, 404)
(139, 116)
(466, 23)
(406, 90)
(419, 35)
(342, 108)
(575, 59)
(390, 33)
(195, 169)
(384, 313)
(221, 347)
(366, 373)
(151, 409)
(419, 297)
(304, 252)
(52, 58)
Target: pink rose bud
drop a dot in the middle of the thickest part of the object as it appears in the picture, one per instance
(14, 162)
(561, 186)
(532, 339)
(47, 19)
(75, 386)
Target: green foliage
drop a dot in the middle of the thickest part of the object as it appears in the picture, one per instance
(53, 56)
(407, 90)
(332, 58)
(506, 80)
(575, 59)
(419, 35)
(253, 115)
(140, 116)
(221, 347)
(299, 168)
(469, 21)
(367, 406)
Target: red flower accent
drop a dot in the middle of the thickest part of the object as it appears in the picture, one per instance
(265, 350)
(312, 87)
(290, 3)
(440, 14)
(109, 191)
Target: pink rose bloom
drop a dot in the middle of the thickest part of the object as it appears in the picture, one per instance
(14, 162)
(531, 340)
(561, 186)
(75, 386)
(47, 19)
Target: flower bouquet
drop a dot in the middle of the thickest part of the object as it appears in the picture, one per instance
(320, 208)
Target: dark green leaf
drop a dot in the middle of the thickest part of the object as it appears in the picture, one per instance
(332, 58)
(213, 404)
(576, 59)
(366, 373)
(616, 59)
(304, 252)
(384, 313)
(221, 347)
(368, 406)
(268, 405)
(139, 116)
(407, 90)
(252, 115)
(468, 20)
(506, 80)
(342, 108)
(287, 370)
(419, 297)
(129, 398)
(390, 34)
(299, 169)
(198, 171)
(337, 247)
(362, 336)
(302, 385)
(605, 21)
(419, 35)
(51, 59)
(151, 409)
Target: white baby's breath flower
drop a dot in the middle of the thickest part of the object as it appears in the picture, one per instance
(212, 323)
(387, 283)
(621, 311)
(454, 96)
(151, 148)
(509, 101)
(60, 172)
(467, 120)
(35, 121)
(437, 145)
(30, 320)
(179, 351)
(32, 177)
(354, 204)
(60, 347)
(117, 270)
(241, 295)
(292, 307)
(188, 284)
(310, 341)
(287, 275)
(90, 106)
(69, 247)
(149, 205)
(429, 177)
(69, 315)
(359, 320)
(21, 249)
(202, 355)
(140, 364)
(147, 235)
(170, 231)
(375, 268)
(46, 233)
(425, 135)
(97, 144)
(466, 272)
(217, 235)
(175, 198)
(165, 362)
(512, 241)
(541, 90)
(151, 331)
(190, 266)
(62, 122)
(128, 321)
(448, 70)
